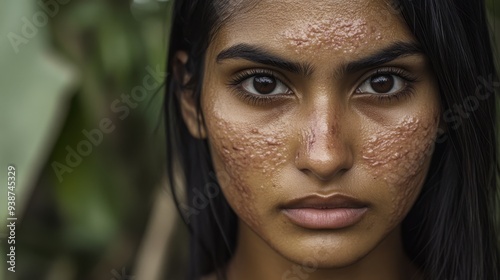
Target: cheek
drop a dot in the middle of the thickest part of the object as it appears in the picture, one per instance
(245, 158)
(400, 158)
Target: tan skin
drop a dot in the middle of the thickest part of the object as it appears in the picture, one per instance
(279, 134)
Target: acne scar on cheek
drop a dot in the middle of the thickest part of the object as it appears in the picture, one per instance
(399, 155)
(331, 34)
(249, 156)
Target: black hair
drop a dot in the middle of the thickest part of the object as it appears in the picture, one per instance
(213, 228)
(450, 232)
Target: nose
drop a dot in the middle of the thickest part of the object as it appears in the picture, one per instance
(323, 151)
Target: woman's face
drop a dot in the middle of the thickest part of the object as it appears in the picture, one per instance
(322, 118)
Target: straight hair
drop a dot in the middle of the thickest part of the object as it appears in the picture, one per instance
(450, 232)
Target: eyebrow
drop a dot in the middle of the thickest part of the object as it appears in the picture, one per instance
(260, 55)
(387, 54)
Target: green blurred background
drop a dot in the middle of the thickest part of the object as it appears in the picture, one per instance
(90, 163)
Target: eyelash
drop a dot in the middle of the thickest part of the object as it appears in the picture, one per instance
(408, 81)
(253, 99)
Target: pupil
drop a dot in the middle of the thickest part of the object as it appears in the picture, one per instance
(382, 83)
(264, 84)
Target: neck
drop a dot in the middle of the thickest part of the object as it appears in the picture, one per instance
(255, 259)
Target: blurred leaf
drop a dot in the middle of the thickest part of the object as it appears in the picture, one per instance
(34, 91)
(494, 7)
(90, 222)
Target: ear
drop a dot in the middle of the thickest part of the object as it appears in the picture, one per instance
(192, 118)
(442, 128)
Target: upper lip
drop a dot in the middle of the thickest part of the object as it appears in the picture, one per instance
(324, 202)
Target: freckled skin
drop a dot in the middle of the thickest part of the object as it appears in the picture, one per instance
(322, 139)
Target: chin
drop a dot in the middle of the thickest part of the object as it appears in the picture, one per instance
(327, 260)
(321, 255)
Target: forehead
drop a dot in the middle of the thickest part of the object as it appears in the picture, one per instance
(313, 28)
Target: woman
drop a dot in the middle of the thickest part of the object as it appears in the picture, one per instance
(349, 140)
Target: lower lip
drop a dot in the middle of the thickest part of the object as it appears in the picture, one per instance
(335, 218)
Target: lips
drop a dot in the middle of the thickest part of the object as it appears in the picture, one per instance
(325, 212)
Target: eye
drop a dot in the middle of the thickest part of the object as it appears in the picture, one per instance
(264, 84)
(385, 83)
